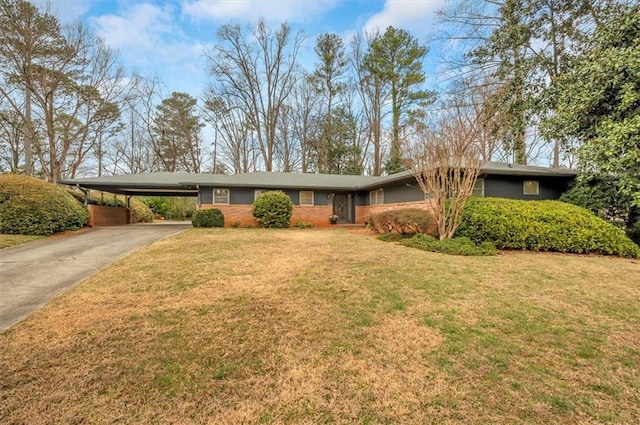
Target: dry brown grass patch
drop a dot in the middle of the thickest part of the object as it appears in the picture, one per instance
(326, 326)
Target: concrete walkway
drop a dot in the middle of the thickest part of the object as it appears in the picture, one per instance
(34, 273)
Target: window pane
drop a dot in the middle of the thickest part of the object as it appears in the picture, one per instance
(531, 187)
(306, 197)
(478, 188)
(376, 197)
(220, 196)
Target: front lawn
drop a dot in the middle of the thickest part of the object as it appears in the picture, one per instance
(326, 326)
(12, 240)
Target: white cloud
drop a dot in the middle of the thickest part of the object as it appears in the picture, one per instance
(415, 16)
(138, 27)
(151, 41)
(251, 10)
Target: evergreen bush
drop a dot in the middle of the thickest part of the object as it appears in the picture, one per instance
(455, 246)
(30, 206)
(211, 217)
(542, 226)
(273, 209)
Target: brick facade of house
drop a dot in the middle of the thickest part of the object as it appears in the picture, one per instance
(241, 215)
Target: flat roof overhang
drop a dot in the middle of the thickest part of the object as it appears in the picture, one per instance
(139, 190)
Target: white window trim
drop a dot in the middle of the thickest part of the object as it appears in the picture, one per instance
(258, 192)
(479, 180)
(524, 187)
(312, 198)
(213, 196)
(373, 194)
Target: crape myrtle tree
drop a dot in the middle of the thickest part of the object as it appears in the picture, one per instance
(446, 159)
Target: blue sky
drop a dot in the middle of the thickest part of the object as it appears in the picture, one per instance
(168, 38)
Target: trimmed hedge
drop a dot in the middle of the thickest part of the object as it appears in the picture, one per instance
(140, 212)
(211, 217)
(542, 226)
(30, 206)
(273, 209)
(455, 246)
(405, 222)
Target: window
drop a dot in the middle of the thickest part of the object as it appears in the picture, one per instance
(531, 187)
(306, 197)
(220, 196)
(478, 188)
(376, 197)
(257, 193)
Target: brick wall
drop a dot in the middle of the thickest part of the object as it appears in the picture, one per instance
(234, 214)
(108, 216)
(318, 215)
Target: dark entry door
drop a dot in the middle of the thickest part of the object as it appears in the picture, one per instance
(341, 207)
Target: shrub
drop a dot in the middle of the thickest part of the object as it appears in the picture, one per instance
(391, 237)
(406, 222)
(211, 217)
(455, 246)
(303, 225)
(140, 212)
(158, 204)
(273, 209)
(603, 197)
(31, 206)
(542, 226)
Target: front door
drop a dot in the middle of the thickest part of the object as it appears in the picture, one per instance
(341, 207)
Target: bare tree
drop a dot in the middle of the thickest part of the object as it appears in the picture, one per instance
(446, 161)
(373, 94)
(236, 146)
(256, 67)
(303, 110)
(11, 141)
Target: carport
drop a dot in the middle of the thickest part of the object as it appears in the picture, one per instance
(146, 184)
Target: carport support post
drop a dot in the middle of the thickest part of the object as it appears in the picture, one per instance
(129, 209)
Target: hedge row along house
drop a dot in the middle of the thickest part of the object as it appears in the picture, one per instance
(318, 197)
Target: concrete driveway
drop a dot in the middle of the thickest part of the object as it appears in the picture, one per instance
(34, 273)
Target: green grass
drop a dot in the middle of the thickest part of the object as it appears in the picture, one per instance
(325, 326)
(12, 240)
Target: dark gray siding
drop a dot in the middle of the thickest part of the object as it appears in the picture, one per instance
(513, 187)
(403, 193)
(245, 196)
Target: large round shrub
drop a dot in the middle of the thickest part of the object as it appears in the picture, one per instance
(211, 217)
(406, 222)
(273, 209)
(31, 206)
(542, 226)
